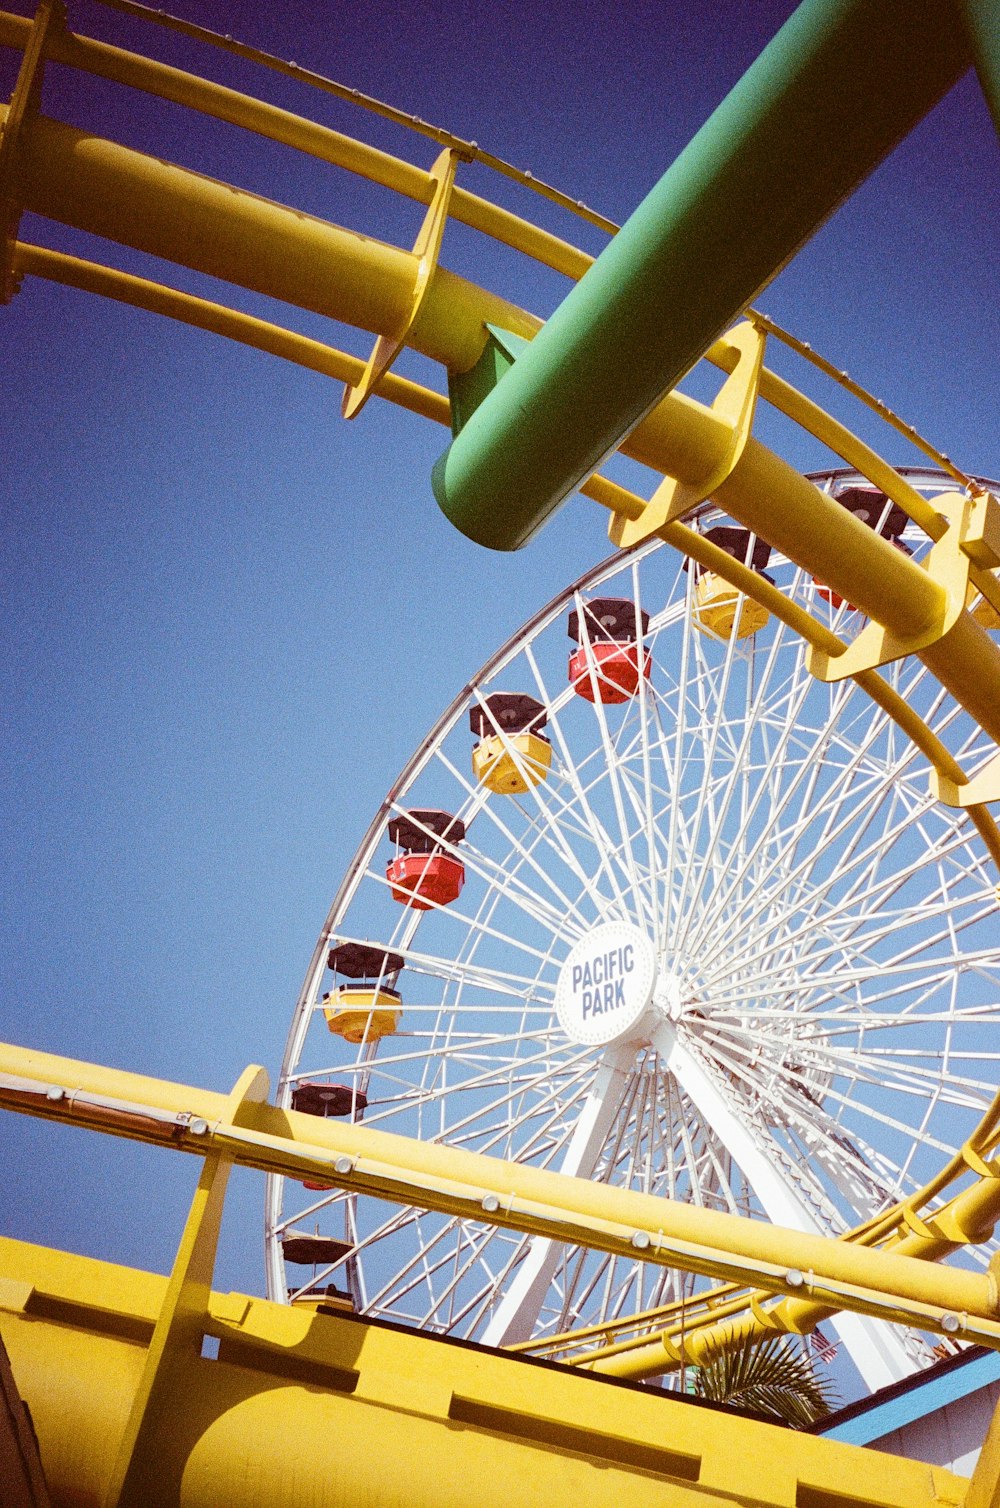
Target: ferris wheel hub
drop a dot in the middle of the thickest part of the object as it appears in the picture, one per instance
(604, 993)
(668, 996)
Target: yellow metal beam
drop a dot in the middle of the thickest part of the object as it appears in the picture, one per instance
(49, 19)
(20, 1464)
(340, 1412)
(836, 1274)
(140, 1475)
(316, 356)
(126, 196)
(307, 136)
(142, 293)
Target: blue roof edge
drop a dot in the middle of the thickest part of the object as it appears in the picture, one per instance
(904, 1402)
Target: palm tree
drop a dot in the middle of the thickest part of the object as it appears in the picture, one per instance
(769, 1376)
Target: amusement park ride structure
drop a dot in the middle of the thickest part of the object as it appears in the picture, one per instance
(572, 1228)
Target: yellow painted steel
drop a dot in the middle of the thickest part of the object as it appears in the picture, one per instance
(985, 613)
(426, 250)
(467, 149)
(963, 1304)
(733, 410)
(316, 356)
(20, 1463)
(79, 179)
(355, 1414)
(141, 293)
(913, 1229)
(967, 1217)
(984, 1485)
(315, 140)
(146, 1467)
(49, 19)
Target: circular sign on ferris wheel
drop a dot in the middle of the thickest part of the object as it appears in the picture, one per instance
(606, 984)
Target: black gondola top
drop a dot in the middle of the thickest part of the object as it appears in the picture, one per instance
(423, 831)
(363, 961)
(736, 542)
(327, 1099)
(609, 618)
(510, 711)
(874, 509)
(312, 1250)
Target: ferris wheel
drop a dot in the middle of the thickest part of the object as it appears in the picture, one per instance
(651, 905)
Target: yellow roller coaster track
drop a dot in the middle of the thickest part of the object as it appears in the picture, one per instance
(406, 298)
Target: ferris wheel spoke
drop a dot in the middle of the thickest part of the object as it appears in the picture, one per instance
(734, 788)
(419, 1269)
(614, 784)
(833, 1163)
(523, 899)
(548, 1132)
(755, 731)
(462, 1266)
(877, 891)
(704, 690)
(493, 979)
(652, 846)
(517, 890)
(801, 787)
(860, 949)
(876, 1356)
(435, 1097)
(827, 977)
(615, 859)
(488, 809)
(841, 787)
(888, 1068)
(552, 831)
(557, 1083)
(519, 1309)
(600, 838)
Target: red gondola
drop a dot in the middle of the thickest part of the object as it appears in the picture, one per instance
(608, 658)
(422, 875)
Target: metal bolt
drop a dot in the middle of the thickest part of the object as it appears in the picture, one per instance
(55, 1094)
(198, 1127)
(950, 1323)
(491, 1204)
(640, 1240)
(794, 1278)
(343, 1165)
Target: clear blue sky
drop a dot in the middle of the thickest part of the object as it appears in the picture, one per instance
(229, 616)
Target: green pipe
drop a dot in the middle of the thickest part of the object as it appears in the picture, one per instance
(982, 24)
(828, 98)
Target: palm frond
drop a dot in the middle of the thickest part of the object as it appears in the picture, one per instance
(769, 1376)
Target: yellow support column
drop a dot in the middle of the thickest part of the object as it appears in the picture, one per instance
(152, 1454)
